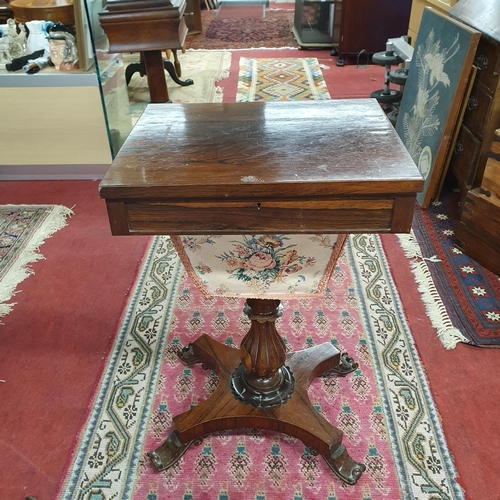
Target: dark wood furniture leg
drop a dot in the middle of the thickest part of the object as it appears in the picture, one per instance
(260, 386)
(152, 65)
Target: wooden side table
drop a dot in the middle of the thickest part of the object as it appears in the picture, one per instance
(262, 168)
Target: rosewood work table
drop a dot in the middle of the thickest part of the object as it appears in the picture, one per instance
(262, 168)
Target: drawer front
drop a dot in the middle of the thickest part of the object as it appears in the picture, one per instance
(487, 61)
(465, 155)
(491, 177)
(335, 216)
(478, 249)
(479, 230)
(478, 107)
(483, 216)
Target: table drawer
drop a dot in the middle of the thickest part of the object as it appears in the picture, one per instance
(343, 216)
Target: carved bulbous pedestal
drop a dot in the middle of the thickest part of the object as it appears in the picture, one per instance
(262, 379)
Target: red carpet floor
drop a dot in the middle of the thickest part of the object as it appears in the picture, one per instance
(464, 384)
(55, 342)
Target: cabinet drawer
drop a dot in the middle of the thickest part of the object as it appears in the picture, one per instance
(479, 230)
(483, 215)
(478, 107)
(465, 154)
(491, 177)
(488, 61)
(476, 248)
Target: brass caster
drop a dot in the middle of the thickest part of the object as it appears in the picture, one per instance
(346, 365)
(170, 452)
(343, 466)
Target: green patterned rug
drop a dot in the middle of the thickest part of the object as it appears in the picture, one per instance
(280, 80)
(23, 229)
(144, 384)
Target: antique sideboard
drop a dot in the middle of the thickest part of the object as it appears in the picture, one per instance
(476, 157)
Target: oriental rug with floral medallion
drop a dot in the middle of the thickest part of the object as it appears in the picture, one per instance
(384, 408)
(242, 31)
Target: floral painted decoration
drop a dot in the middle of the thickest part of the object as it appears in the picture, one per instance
(256, 265)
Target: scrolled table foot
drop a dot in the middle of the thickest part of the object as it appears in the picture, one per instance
(169, 453)
(346, 365)
(169, 66)
(186, 355)
(343, 466)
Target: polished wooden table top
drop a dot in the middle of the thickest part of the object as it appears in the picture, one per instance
(308, 166)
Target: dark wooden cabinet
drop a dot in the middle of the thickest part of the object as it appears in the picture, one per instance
(478, 230)
(5, 12)
(366, 25)
(476, 157)
(314, 22)
(481, 118)
(350, 26)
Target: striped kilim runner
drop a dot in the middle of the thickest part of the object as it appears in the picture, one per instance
(280, 80)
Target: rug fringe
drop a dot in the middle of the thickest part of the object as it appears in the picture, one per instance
(448, 334)
(245, 49)
(226, 65)
(54, 221)
(218, 94)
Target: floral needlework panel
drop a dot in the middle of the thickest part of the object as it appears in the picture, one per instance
(436, 81)
(275, 265)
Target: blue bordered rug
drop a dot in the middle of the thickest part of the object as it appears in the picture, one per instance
(462, 297)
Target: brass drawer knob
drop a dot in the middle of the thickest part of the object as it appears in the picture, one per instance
(481, 62)
(472, 103)
(458, 148)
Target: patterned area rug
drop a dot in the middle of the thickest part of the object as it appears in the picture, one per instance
(225, 33)
(23, 229)
(462, 297)
(384, 408)
(206, 68)
(280, 80)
